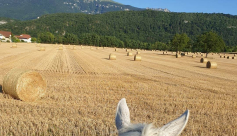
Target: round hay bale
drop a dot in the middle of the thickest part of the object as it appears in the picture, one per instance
(178, 56)
(129, 54)
(224, 56)
(221, 56)
(211, 64)
(228, 57)
(60, 47)
(203, 60)
(126, 50)
(183, 54)
(112, 57)
(25, 85)
(163, 52)
(14, 45)
(193, 56)
(233, 57)
(138, 52)
(137, 58)
(42, 48)
(115, 49)
(234, 54)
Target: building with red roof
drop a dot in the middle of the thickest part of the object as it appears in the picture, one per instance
(5, 36)
(24, 37)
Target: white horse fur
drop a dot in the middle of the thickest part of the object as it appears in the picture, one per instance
(125, 128)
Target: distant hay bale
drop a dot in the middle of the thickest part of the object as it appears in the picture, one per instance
(201, 54)
(211, 64)
(138, 52)
(25, 85)
(203, 60)
(193, 56)
(178, 56)
(73, 47)
(112, 57)
(137, 58)
(234, 57)
(42, 48)
(228, 57)
(126, 50)
(221, 56)
(183, 54)
(129, 54)
(115, 49)
(60, 47)
(14, 45)
(234, 54)
(224, 56)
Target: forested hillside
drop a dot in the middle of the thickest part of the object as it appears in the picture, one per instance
(31, 9)
(143, 26)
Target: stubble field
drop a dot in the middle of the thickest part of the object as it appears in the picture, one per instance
(84, 87)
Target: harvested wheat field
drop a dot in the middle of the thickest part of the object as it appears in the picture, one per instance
(84, 88)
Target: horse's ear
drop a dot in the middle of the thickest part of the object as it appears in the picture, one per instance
(122, 118)
(175, 127)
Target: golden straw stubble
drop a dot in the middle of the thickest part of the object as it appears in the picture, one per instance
(23, 84)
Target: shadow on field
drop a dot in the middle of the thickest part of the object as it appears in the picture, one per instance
(199, 66)
(1, 89)
(106, 58)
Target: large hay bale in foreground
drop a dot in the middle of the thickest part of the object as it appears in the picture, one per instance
(211, 64)
(137, 58)
(203, 60)
(112, 57)
(25, 85)
(129, 54)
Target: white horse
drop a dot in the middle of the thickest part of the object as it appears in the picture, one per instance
(125, 128)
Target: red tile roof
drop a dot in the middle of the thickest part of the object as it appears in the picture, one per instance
(5, 33)
(23, 36)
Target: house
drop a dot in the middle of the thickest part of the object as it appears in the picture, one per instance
(24, 37)
(5, 36)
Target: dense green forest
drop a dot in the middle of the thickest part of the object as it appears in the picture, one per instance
(133, 28)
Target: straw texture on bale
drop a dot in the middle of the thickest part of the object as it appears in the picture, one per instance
(129, 54)
(233, 57)
(203, 60)
(25, 85)
(193, 56)
(178, 55)
(221, 56)
(137, 58)
(112, 57)
(211, 64)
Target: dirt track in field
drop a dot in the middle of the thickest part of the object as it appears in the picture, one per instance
(84, 87)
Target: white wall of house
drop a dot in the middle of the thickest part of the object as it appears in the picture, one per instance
(27, 40)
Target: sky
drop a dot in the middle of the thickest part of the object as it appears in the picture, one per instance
(191, 6)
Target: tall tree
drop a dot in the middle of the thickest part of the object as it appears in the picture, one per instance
(179, 42)
(209, 42)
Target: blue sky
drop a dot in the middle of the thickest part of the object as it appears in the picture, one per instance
(205, 6)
